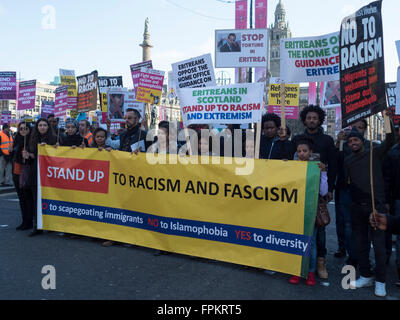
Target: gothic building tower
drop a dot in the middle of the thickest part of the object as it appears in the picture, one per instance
(280, 29)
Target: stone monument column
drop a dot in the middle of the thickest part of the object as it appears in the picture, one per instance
(146, 45)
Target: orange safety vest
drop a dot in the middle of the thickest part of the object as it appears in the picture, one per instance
(6, 142)
(89, 138)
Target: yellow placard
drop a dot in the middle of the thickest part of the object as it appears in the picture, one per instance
(292, 95)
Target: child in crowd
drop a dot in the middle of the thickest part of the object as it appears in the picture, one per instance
(99, 142)
(304, 151)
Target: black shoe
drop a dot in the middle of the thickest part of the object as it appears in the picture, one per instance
(19, 228)
(340, 253)
(26, 227)
(35, 233)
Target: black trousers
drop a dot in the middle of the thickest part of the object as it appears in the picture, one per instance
(24, 200)
(364, 234)
(30, 195)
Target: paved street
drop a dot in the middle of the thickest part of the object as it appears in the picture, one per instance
(86, 270)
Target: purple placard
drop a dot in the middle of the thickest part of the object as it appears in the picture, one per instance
(8, 85)
(60, 107)
(135, 71)
(26, 95)
(47, 108)
(72, 103)
(6, 118)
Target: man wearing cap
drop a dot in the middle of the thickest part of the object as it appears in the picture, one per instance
(343, 197)
(357, 174)
(6, 146)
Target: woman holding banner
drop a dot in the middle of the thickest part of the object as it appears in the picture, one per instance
(20, 143)
(274, 143)
(41, 135)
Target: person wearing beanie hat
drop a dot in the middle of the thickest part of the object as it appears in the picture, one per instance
(342, 194)
(73, 138)
(354, 133)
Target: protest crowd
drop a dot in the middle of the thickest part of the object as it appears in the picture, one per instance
(241, 121)
(344, 165)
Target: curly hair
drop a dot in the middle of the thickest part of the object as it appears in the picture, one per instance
(271, 117)
(317, 109)
(303, 139)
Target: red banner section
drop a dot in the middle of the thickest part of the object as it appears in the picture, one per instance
(75, 174)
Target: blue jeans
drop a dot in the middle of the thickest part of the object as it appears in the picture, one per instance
(397, 213)
(313, 257)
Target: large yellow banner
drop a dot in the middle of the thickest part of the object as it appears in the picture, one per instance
(264, 219)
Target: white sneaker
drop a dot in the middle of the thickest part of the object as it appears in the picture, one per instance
(380, 289)
(362, 282)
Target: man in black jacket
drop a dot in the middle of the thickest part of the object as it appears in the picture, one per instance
(324, 150)
(357, 172)
(133, 134)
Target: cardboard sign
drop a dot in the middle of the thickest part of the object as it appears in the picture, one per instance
(241, 48)
(235, 104)
(104, 84)
(61, 104)
(5, 117)
(47, 108)
(292, 98)
(135, 71)
(391, 95)
(119, 100)
(330, 94)
(8, 85)
(87, 92)
(26, 95)
(67, 78)
(194, 73)
(362, 64)
(150, 86)
(311, 59)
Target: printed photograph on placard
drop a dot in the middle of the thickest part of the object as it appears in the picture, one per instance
(116, 105)
(229, 42)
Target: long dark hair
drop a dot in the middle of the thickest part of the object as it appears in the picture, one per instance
(36, 138)
(19, 139)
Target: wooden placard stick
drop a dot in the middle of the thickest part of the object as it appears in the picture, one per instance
(283, 112)
(141, 125)
(258, 141)
(25, 139)
(371, 170)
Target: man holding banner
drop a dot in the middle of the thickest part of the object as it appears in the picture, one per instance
(131, 140)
